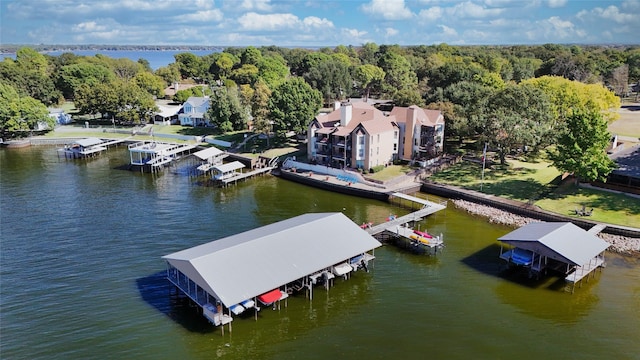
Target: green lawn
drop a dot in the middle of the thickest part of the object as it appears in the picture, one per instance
(390, 172)
(539, 183)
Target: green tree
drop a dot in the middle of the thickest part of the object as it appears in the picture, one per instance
(331, 77)
(408, 97)
(581, 147)
(369, 76)
(190, 65)
(30, 75)
(150, 83)
(260, 109)
(169, 74)
(251, 56)
(293, 105)
(273, 70)
(517, 116)
(124, 68)
(70, 77)
(398, 73)
(246, 74)
(20, 114)
(222, 65)
(225, 110)
(134, 105)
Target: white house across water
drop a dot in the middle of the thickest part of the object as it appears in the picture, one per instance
(231, 275)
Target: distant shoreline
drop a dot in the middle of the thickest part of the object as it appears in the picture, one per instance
(13, 48)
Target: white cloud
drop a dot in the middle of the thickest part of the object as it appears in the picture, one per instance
(557, 3)
(431, 14)
(353, 33)
(558, 30)
(316, 22)
(388, 9)
(388, 32)
(447, 31)
(213, 15)
(89, 26)
(260, 5)
(267, 22)
(472, 10)
(613, 13)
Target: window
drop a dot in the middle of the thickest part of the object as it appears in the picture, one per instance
(395, 134)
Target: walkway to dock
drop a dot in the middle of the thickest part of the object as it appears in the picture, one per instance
(428, 208)
(245, 175)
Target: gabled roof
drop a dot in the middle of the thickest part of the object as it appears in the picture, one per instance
(375, 127)
(373, 120)
(251, 263)
(232, 166)
(562, 241)
(168, 110)
(360, 111)
(628, 161)
(197, 101)
(425, 117)
(208, 153)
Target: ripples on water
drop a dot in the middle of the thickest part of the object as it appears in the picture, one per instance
(82, 277)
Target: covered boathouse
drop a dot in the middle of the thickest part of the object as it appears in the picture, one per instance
(227, 276)
(561, 247)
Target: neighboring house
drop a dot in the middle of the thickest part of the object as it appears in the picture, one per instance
(423, 132)
(358, 135)
(60, 116)
(626, 176)
(193, 112)
(166, 114)
(172, 89)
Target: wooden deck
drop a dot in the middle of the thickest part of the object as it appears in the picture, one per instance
(428, 208)
(583, 271)
(241, 176)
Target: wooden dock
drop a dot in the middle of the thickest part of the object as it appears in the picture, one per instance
(241, 176)
(428, 208)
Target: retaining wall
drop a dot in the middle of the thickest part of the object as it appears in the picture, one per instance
(520, 208)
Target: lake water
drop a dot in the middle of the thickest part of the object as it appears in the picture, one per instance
(82, 278)
(156, 58)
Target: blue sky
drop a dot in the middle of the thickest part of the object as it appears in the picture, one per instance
(318, 23)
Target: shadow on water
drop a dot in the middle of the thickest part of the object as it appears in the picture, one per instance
(548, 296)
(158, 292)
(487, 261)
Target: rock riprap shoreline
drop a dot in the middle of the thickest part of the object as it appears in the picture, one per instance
(619, 244)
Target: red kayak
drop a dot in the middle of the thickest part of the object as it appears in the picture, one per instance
(423, 234)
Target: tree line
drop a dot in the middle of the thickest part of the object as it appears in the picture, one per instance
(506, 96)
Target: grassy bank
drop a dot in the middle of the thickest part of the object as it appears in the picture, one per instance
(539, 183)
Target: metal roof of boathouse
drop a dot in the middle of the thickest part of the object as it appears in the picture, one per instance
(562, 241)
(248, 264)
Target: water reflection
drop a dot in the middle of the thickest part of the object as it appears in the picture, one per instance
(250, 338)
(549, 300)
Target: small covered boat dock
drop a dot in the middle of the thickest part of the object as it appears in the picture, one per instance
(209, 158)
(88, 147)
(231, 173)
(263, 266)
(151, 155)
(561, 247)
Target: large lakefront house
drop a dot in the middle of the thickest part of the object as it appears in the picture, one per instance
(194, 110)
(358, 135)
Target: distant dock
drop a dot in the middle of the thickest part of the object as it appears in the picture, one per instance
(88, 147)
